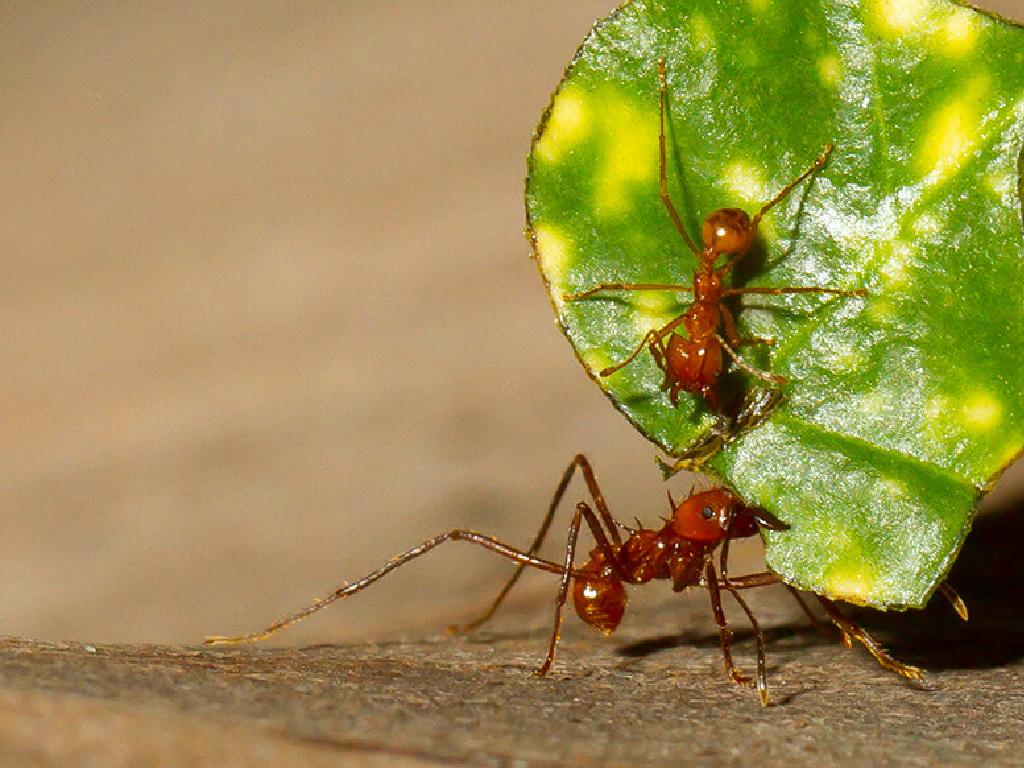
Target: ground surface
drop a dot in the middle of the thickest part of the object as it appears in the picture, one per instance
(651, 695)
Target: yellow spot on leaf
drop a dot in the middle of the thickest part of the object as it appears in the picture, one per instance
(703, 34)
(830, 70)
(999, 183)
(759, 5)
(872, 403)
(952, 133)
(901, 257)
(926, 224)
(850, 583)
(960, 32)
(936, 408)
(880, 310)
(897, 17)
(568, 123)
(747, 181)
(981, 411)
(630, 155)
(654, 310)
(894, 489)
(596, 360)
(842, 356)
(553, 253)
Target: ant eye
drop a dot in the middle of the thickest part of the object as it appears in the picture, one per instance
(707, 513)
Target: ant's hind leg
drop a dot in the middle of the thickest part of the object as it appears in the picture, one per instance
(583, 512)
(854, 631)
(347, 590)
(650, 338)
(954, 599)
(772, 378)
(731, 334)
(581, 463)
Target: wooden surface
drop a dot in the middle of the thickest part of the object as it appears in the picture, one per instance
(653, 695)
(653, 700)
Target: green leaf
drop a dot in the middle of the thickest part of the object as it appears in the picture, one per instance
(902, 406)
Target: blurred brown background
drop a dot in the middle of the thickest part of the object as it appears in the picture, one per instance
(268, 316)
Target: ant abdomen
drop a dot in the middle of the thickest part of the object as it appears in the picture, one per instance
(600, 599)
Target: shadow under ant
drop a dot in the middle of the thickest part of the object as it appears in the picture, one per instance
(989, 578)
(653, 645)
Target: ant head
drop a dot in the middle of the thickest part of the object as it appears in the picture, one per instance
(704, 517)
(727, 230)
(708, 516)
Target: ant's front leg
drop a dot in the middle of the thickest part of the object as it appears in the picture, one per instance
(762, 663)
(723, 625)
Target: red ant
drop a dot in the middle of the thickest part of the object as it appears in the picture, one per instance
(694, 364)
(681, 551)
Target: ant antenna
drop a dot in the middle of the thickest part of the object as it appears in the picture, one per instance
(662, 167)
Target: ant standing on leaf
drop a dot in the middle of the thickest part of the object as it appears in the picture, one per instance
(681, 551)
(694, 364)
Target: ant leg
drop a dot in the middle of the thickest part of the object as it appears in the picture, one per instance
(660, 355)
(581, 463)
(954, 600)
(730, 330)
(802, 289)
(753, 580)
(851, 630)
(673, 287)
(583, 511)
(487, 542)
(815, 166)
(662, 166)
(815, 621)
(723, 626)
(762, 663)
(649, 337)
(763, 375)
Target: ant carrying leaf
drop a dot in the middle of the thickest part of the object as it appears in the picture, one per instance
(681, 552)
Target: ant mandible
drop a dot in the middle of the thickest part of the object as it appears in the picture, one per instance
(694, 364)
(681, 551)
